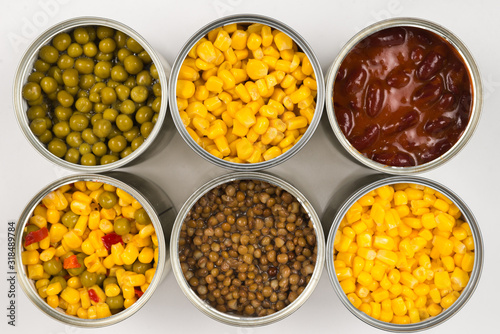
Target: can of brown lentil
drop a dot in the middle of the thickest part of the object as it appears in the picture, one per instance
(475, 80)
(236, 319)
(162, 131)
(466, 293)
(161, 212)
(250, 19)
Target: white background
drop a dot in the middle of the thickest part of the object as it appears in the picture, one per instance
(320, 171)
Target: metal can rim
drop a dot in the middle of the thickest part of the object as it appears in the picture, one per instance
(27, 284)
(247, 18)
(460, 47)
(465, 295)
(241, 320)
(25, 66)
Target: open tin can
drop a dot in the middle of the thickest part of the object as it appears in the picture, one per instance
(247, 19)
(25, 68)
(234, 319)
(475, 82)
(158, 207)
(465, 294)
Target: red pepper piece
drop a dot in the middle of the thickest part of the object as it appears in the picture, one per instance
(93, 295)
(138, 292)
(71, 262)
(110, 239)
(36, 236)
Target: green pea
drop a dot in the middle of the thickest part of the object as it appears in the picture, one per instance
(126, 152)
(46, 137)
(75, 50)
(48, 54)
(107, 199)
(70, 77)
(108, 95)
(127, 107)
(100, 279)
(84, 65)
(88, 279)
(89, 137)
(61, 129)
(90, 49)
(110, 114)
(122, 226)
(78, 122)
(133, 64)
(144, 78)
(81, 35)
(146, 129)
(41, 66)
(141, 217)
(61, 41)
(57, 147)
(36, 112)
(108, 158)
(85, 149)
(107, 45)
(102, 128)
(124, 122)
(133, 45)
(72, 155)
(144, 114)
(145, 57)
(52, 267)
(137, 142)
(48, 85)
(122, 92)
(109, 280)
(117, 144)
(74, 139)
(141, 268)
(99, 149)
(131, 134)
(88, 159)
(38, 126)
(64, 62)
(81, 269)
(62, 113)
(103, 69)
(83, 104)
(115, 302)
(69, 219)
(32, 91)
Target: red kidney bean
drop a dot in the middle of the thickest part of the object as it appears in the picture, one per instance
(437, 125)
(341, 74)
(397, 78)
(367, 139)
(345, 119)
(387, 37)
(435, 151)
(431, 64)
(417, 54)
(400, 159)
(356, 81)
(374, 99)
(408, 120)
(428, 93)
(455, 80)
(446, 102)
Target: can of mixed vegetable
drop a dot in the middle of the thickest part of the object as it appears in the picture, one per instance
(90, 94)
(404, 253)
(247, 249)
(281, 64)
(92, 249)
(403, 96)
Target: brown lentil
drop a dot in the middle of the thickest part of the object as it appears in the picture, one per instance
(247, 248)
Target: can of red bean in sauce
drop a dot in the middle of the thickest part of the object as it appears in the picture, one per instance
(158, 207)
(465, 294)
(162, 131)
(314, 274)
(402, 131)
(247, 19)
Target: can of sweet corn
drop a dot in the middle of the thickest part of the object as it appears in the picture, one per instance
(237, 319)
(444, 306)
(302, 45)
(384, 165)
(162, 131)
(157, 206)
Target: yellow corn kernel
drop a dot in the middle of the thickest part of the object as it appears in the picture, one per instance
(354, 300)
(398, 306)
(283, 41)
(47, 254)
(348, 285)
(38, 221)
(185, 89)
(112, 290)
(94, 219)
(468, 262)
(445, 222)
(72, 239)
(364, 278)
(188, 73)
(343, 273)
(378, 271)
(459, 279)
(80, 208)
(380, 295)
(57, 232)
(53, 289)
(442, 280)
(82, 313)
(385, 283)
(245, 117)
(30, 257)
(92, 312)
(74, 282)
(102, 310)
(296, 123)
(433, 309)
(130, 254)
(53, 300)
(388, 257)
(146, 255)
(134, 280)
(271, 153)
(70, 295)
(129, 302)
(383, 242)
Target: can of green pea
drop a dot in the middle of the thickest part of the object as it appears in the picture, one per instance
(101, 89)
(157, 206)
(364, 195)
(255, 258)
(403, 96)
(245, 20)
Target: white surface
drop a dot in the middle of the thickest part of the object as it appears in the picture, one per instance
(320, 171)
